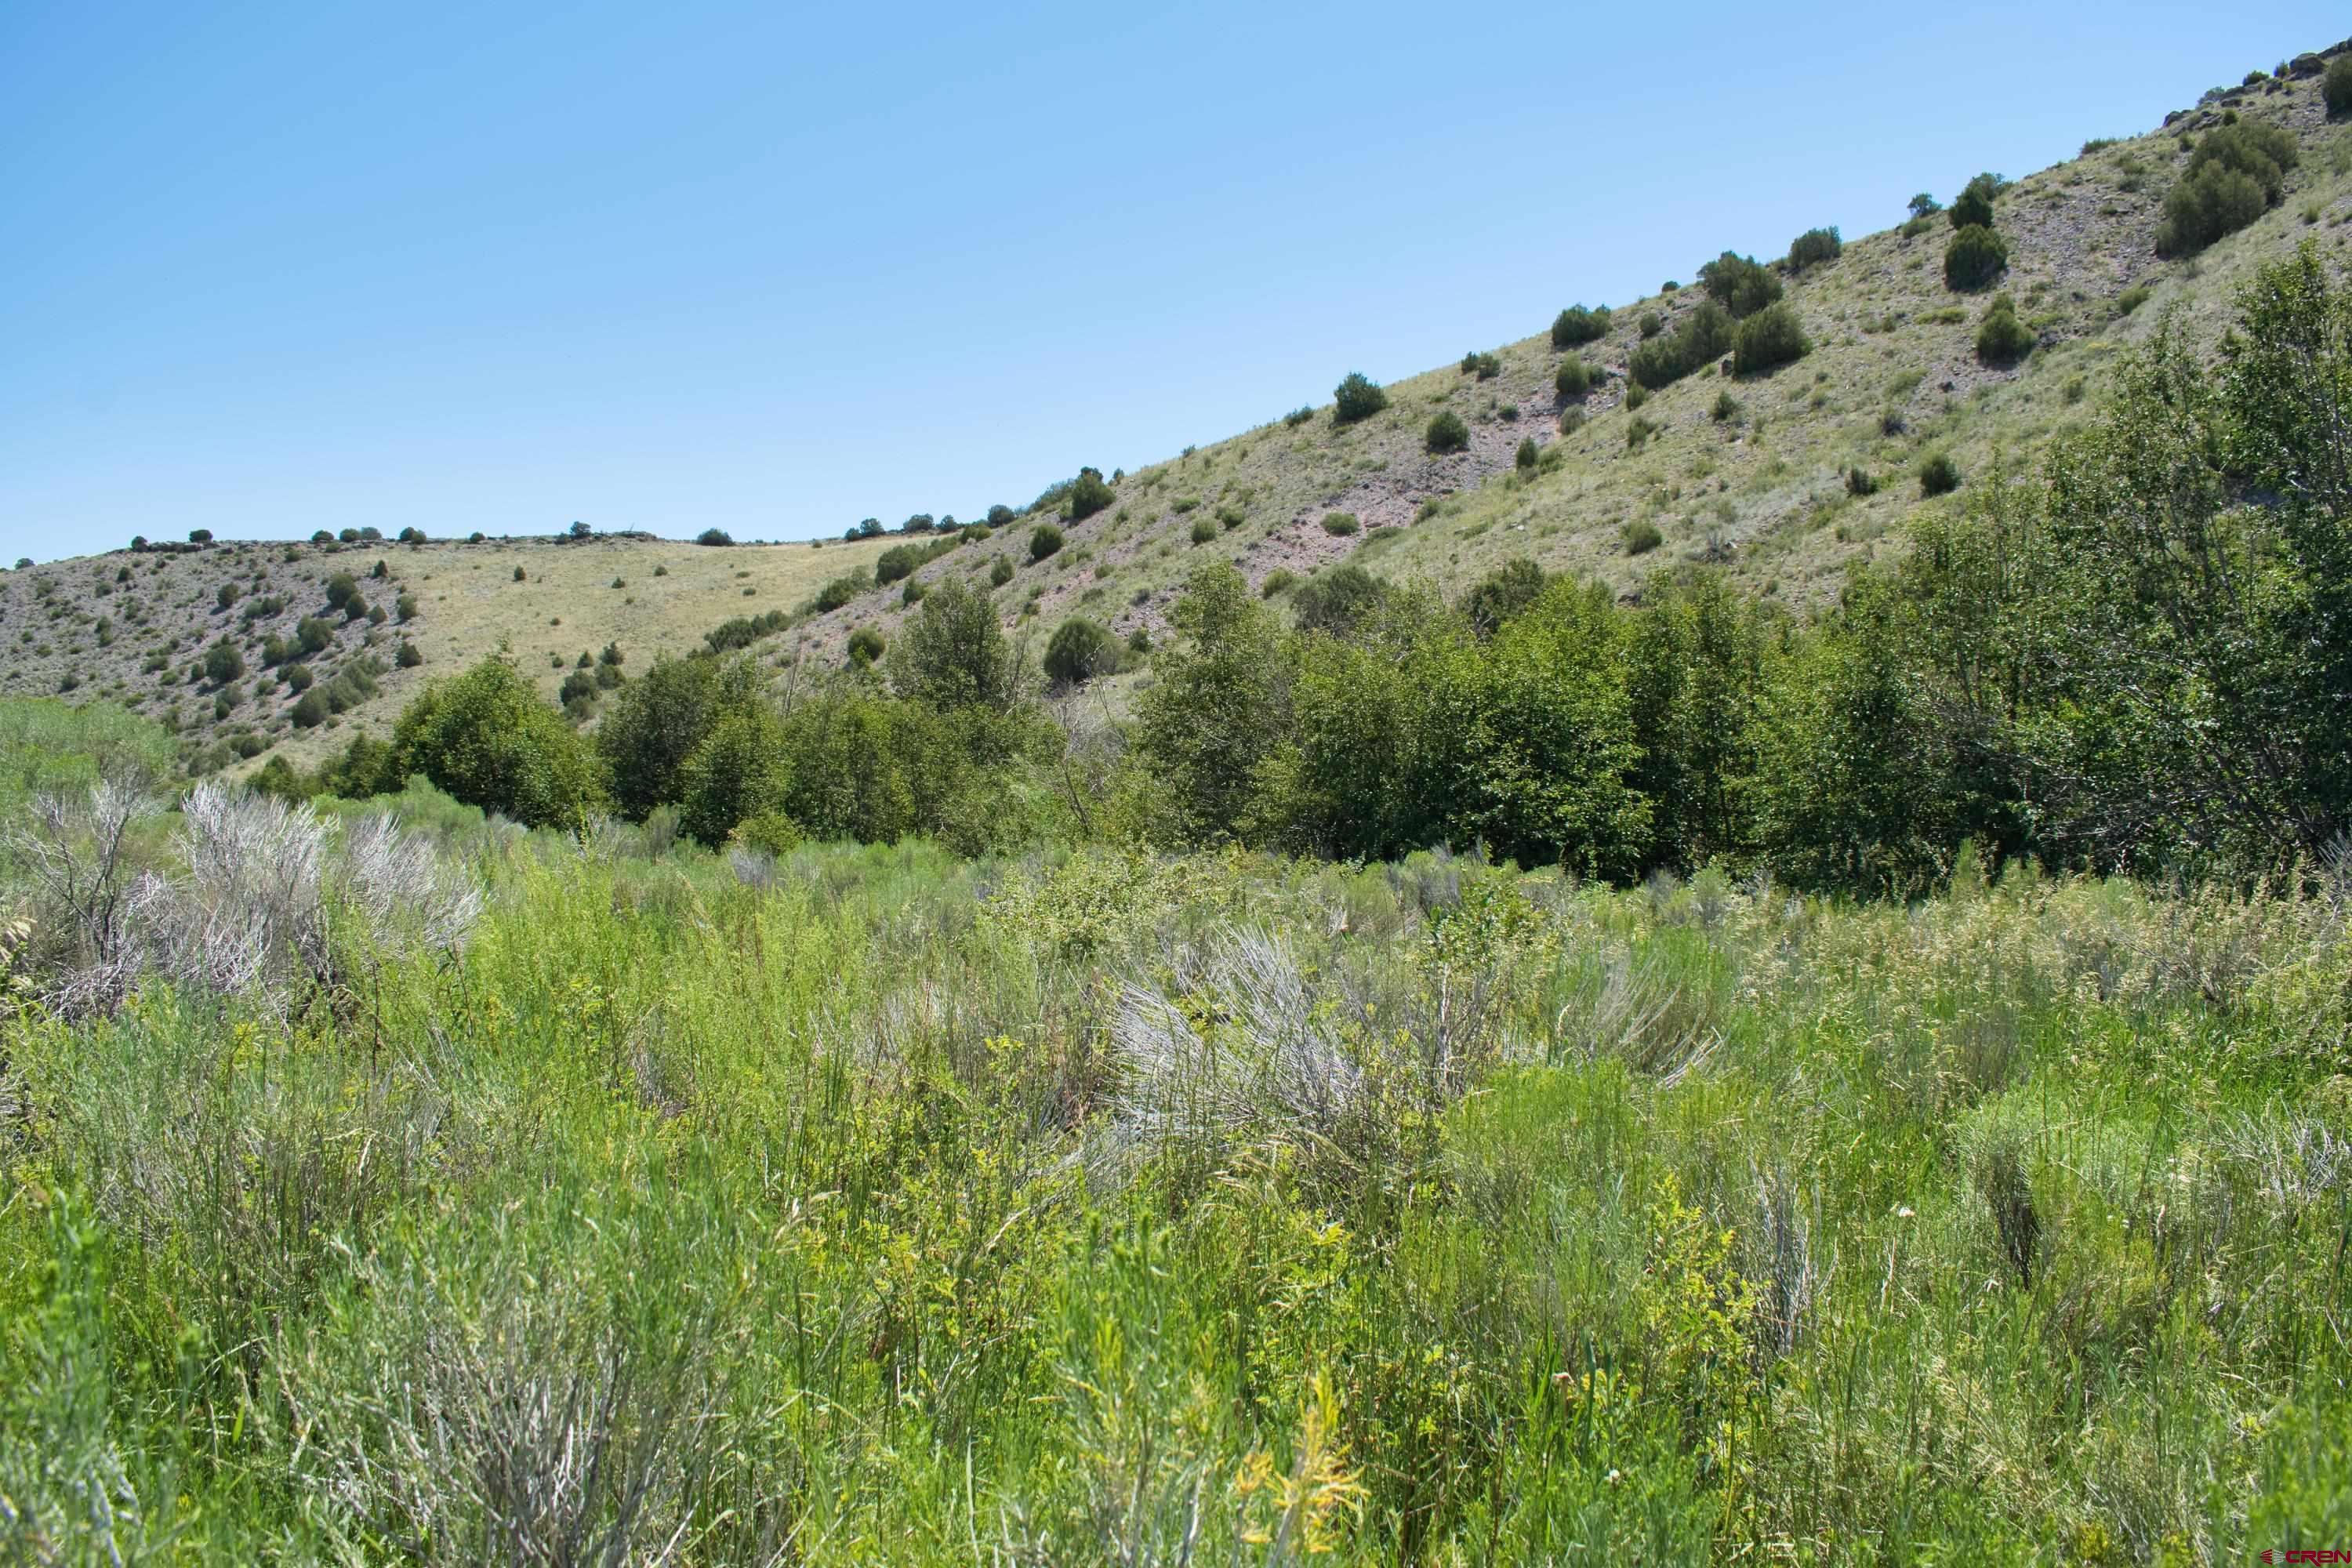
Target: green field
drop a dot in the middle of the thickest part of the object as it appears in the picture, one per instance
(872, 1206)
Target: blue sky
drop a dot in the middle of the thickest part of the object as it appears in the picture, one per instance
(269, 269)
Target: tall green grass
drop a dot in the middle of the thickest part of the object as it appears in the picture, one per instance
(875, 1206)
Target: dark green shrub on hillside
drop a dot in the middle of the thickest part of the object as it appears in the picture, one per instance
(311, 712)
(1501, 594)
(1447, 433)
(1575, 378)
(486, 739)
(742, 631)
(1578, 325)
(1044, 540)
(1651, 324)
(1975, 257)
(1725, 409)
(1814, 247)
(1089, 494)
(1339, 601)
(1340, 524)
(297, 678)
(1705, 335)
(898, 561)
(2001, 338)
(1925, 206)
(1938, 475)
(341, 587)
(223, 662)
(1298, 416)
(1643, 537)
(839, 591)
(714, 536)
(1770, 339)
(2237, 174)
(1204, 529)
(409, 658)
(1357, 397)
(405, 607)
(1484, 366)
(1740, 284)
(1529, 454)
(999, 571)
(226, 597)
(2203, 207)
(313, 633)
(1860, 483)
(1080, 650)
(2336, 87)
(865, 646)
(1972, 208)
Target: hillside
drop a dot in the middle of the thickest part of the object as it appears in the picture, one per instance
(1751, 473)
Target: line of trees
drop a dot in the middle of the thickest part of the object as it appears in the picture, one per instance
(2139, 658)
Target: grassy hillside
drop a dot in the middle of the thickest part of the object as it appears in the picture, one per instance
(1762, 493)
(1749, 473)
(127, 628)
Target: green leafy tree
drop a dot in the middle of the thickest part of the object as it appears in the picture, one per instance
(740, 769)
(1218, 709)
(1554, 747)
(660, 720)
(486, 738)
(1695, 687)
(952, 653)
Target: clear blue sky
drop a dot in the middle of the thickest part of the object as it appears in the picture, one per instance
(266, 269)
